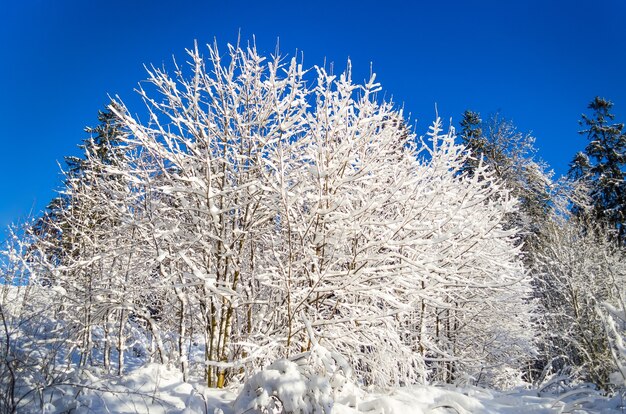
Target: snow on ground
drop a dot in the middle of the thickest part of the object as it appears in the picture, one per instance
(432, 399)
(153, 389)
(157, 389)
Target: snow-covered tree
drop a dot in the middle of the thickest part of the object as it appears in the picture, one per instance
(252, 196)
(513, 157)
(279, 202)
(580, 276)
(602, 166)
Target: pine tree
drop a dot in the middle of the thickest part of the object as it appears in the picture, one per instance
(511, 155)
(601, 166)
(472, 138)
(52, 225)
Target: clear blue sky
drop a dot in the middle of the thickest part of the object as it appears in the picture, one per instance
(538, 62)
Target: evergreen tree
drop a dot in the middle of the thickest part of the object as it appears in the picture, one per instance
(52, 229)
(103, 142)
(511, 155)
(472, 138)
(601, 166)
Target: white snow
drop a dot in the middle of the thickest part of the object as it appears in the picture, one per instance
(158, 389)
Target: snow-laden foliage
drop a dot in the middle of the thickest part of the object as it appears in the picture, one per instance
(283, 387)
(512, 156)
(36, 348)
(254, 195)
(310, 382)
(581, 277)
(602, 167)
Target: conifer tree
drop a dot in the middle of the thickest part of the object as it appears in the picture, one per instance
(472, 138)
(52, 225)
(511, 155)
(601, 166)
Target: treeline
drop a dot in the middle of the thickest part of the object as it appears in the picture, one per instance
(253, 198)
